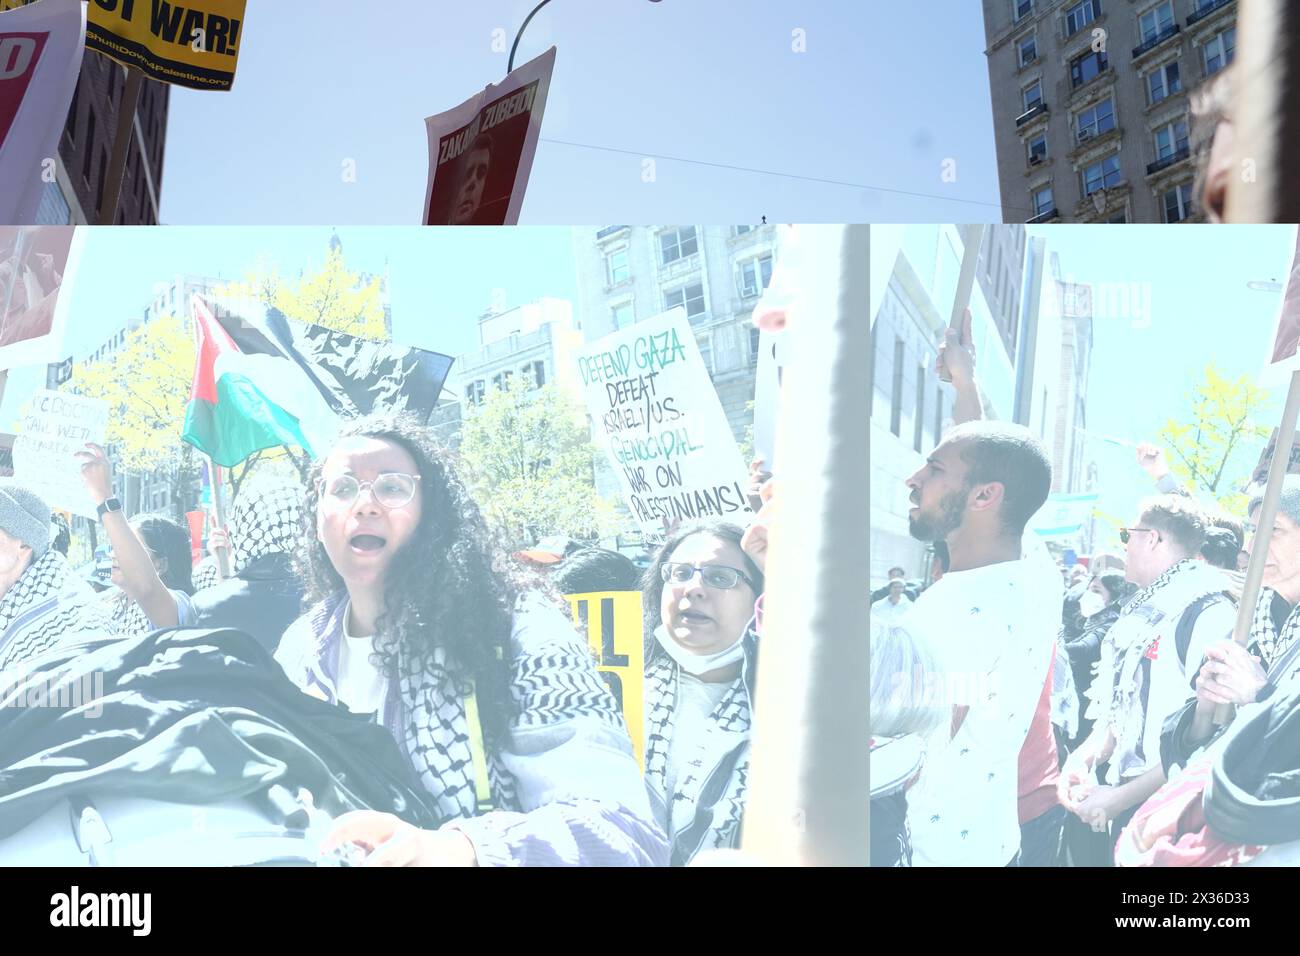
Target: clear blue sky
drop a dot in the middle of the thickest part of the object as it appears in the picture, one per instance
(441, 279)
(1201, 311)
(884, 93)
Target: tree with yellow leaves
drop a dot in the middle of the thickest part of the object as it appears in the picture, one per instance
(1214, 446)
(157, 360)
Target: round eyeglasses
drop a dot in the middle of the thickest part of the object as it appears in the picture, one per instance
(713, 575)
(392, 489)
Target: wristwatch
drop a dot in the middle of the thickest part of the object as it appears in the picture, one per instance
(112, 504)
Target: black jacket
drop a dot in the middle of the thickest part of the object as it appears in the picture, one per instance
(1254, 791)
(263, 600)
(191, 716)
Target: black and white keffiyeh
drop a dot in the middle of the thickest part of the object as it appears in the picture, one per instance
(129, 619)
(1121, 678)
(1268, 640)
(45, 606)
(706, 810)
(266, 519)
(206, 574)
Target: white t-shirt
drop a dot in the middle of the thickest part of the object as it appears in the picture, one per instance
(361, 685)
(696, 700)
(993, 628)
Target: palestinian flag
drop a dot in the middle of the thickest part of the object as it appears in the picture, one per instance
(242, 403)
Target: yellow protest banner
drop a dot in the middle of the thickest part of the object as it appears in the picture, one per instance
(193, 44)
(612, 621)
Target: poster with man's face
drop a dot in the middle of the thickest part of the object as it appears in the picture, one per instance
(481, 152)
(1286, 341)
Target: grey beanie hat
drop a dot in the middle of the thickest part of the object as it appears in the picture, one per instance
(23, 515)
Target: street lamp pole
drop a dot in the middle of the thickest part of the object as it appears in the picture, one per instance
(510, 67)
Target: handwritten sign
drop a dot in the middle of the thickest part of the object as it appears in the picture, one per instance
(659, 419)
(55, 426)
(612, 622)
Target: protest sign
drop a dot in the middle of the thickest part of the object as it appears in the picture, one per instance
(195, 45)
(40, 57)
(481, 152)
(1286, 336)
(55, 427)
(613, 625)
(36, 266)
(659, 419)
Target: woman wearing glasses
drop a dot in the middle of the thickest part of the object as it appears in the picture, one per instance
(490, 692)
(699, 595)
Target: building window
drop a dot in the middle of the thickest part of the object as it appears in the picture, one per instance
(474, 393)
(690, 296)
(1170, 139)
(1119, 217)
(90, 142)
(918, 424)
(938, 414)
(1220, 51)
(1102, 175)
(71, 127)
(677, 244)
(1022, 8)
(534, 374)
(1178, 203)
(616, 266)
(1095, 120)
(1155, 22)
(1043, 200)
(622, 314)
(896, 393)
(1163, 82)
(99, 191)
(1033, 95)
(741, 230)
(1028, 48)
(753, 345)
(501, 380)
(1080, 15)
(1086, 68)
(754, 276)
(706, 351)
(1037, 149)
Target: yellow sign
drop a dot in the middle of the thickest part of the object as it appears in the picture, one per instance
(193, 44)
(612, 620)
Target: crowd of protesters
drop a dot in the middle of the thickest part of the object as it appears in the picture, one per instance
(376, 586)
(1086, 710)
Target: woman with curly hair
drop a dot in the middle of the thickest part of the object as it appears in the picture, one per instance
(489, 690)
(699, 597)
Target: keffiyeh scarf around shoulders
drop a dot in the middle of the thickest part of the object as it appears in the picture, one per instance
(1268, 640)
(45, 606)
(1119, 690)
(704, 813)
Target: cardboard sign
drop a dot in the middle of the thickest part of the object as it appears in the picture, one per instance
(55, 427)
(481, 152)
(194, 43)
(613, 625)
(40, 58)
(36, 266)
(659, 419)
